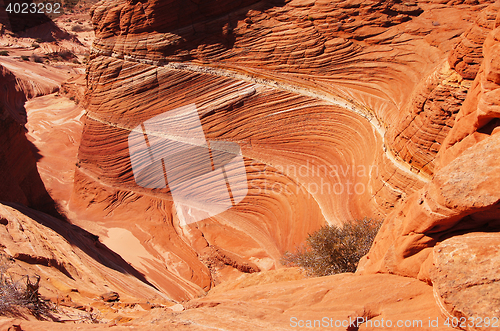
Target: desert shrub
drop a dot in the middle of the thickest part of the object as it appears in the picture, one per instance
(66, 54)
(91, 317)
(77, 28)
(21, 294)
(35, 45)
(25, 57)
(332, 250)
(36, 58)
(10, 294)
(4, 53)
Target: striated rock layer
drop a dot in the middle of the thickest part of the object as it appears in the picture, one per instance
(332, 110)
(462, 197)
(339, 110)
(467, 55)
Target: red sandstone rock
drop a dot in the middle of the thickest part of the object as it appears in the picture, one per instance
(281, 304)
(19, 179)
(269, 77)
(480, 112)
(462, 195)
(459, 199)
(308, 84)
(70, 260)
(466, 57)
(465, 277)
(110, 296)
(431, 113)
(22, 81)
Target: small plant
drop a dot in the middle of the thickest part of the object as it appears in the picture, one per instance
(332, 250)
(310, 18)
(65, 54)
(36, 58)
(92, 317)
(9, 293)
(25, 58)
(35, 45)
(16, 295)
(77, 28)
(4, 53)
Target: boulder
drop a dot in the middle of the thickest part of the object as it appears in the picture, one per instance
(466, 278)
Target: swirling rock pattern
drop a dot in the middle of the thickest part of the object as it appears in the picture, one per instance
(431, 113)
(467, 56)
(322, 97)
(459, 199)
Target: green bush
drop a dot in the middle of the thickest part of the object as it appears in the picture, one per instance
(332, 250)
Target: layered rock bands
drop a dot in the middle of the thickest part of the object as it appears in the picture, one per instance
(338, 110)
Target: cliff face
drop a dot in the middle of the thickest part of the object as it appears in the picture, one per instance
(308, 112)
(340, 110)
(459, 198)
(20, 181)
(462, 197)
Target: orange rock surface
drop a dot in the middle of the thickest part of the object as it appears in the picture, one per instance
(327, 301)
(465, 276)
(20, 181)
(67, 258)
(340, 110)
(459, 198)
(364, 87)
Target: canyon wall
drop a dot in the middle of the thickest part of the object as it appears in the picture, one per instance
(462, 196)
(336, 110)
(39, 138)
(20, 181)
(340, 110)
(446, 233)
